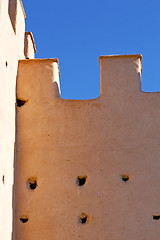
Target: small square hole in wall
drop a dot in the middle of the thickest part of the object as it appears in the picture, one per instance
(125, 177)
(32, 183)
(81, 180)
(3, 179)
(24, 219)
(156, 217)
(83, 218)
(21, 102)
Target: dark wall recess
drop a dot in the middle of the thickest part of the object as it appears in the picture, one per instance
(81, 180)
(156, 217)
(3, 180)
(125, 177)
(24, 219)
(20, 102)
(83, 218)
(32, 183)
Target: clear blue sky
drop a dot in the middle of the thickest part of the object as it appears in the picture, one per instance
(78, 32)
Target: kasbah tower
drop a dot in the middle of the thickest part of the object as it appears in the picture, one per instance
(74, 169)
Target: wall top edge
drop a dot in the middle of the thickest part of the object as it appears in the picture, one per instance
(137, 56)
(32, 38)
(122, 56)
(40, 60)
(22, 8)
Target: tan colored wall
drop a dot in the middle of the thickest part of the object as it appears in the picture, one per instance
(105, 141)
(11, 50)
(57, 140)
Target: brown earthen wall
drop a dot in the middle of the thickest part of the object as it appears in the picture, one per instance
(111, 144)
(83, 169)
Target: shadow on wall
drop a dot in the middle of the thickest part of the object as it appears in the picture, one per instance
(12, 5)
(56, 90)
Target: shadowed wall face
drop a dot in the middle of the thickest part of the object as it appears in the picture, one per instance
(87, 169)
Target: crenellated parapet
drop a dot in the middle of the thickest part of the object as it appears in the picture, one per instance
(87, 168)
(12, 21)
(123, 74)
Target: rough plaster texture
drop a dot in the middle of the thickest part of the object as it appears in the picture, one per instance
(11, 50)
(104, 139)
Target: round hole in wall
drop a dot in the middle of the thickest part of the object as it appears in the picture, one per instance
(3, 179)
(83, 218)
(125, 177)
(81, 180)
(23, 219)
(32, 183)
(6, 64)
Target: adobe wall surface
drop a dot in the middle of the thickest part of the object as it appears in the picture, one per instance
(83, 169)
(111, 143)
(12, 29)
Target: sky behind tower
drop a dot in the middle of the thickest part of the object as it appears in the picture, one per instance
(78, 32)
